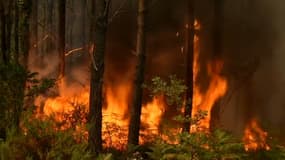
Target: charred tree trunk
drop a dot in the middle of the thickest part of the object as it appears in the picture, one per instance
(136, 106)
(189, 49)
(61, 37)
(97, 72)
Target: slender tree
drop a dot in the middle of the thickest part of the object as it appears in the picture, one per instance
(24, 47)
(61, 37)
(34, 26)
(16, 31)
(136, 106)
(51, 22)
(9, 18)
(25, 12)
(100, 22)
(3, 33)
(189, 49)
(217, 27)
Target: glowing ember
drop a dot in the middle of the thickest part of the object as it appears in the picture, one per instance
(254, 137)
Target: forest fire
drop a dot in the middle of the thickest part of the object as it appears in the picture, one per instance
(103, 79)
(116, 106)
(216, 89)
(254, 137)
(151, 116)
(115, 111)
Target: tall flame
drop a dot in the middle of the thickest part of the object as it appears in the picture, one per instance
(115, 121)
(216, 89)
(254, 137)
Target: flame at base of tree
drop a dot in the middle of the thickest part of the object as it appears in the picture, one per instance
(115, 112)
(204, 101)
(254, 137)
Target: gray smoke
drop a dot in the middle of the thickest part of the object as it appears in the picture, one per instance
(256, 35)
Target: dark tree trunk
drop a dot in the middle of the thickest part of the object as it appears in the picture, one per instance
(97, 71)
(3, 33)
(134, 126)
(189, 49)
(61, 37)
(217, 28)
(217, 52)
(83, 27)
(53, 41)
(34, 27)
(25, 30)
(24, 36)
(16, 31)
(9, 18)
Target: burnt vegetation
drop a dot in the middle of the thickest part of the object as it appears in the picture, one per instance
(142, 80)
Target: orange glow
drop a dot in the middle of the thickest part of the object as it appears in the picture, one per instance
(115, 111)
(66, 100)
(151, 117)
(254, 137)
(216, 89)
(115, 119)
(117, 98)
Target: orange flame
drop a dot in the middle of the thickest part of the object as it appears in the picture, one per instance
(115, 112)
(151, 117)
(115, 120)
(216, 89)
(254, 137)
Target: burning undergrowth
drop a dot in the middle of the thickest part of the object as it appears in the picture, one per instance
(254, 137)
(70, 108)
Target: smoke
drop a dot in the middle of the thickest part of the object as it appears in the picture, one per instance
(276, 103)
(253, 52)
(254, 43)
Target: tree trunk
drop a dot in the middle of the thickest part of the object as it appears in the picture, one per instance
(217, 51)
(217, 28)
(189, 49)
(9, 18)
(97, 71)
(25, 30)
(24, 36)
(134, 126)
(34, 27)
(16, 31)
(52, 43)
(3, 33)
(61, 37)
